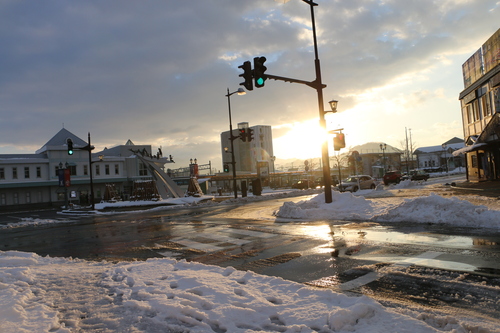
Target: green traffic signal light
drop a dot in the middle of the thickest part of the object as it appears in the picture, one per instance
(69, 142)
(259, 71)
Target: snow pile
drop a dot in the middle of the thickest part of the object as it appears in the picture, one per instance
(20, 306)
(29, 221)
(165, 295)
(426, 209)
(344, 206)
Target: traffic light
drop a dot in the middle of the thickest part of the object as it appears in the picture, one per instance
(69, 142)
(249, 134)
(339, 141)
(243, 134)
(258, 71)
(226, 167)
(247, 75)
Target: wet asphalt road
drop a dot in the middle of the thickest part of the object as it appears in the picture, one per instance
(396, 264)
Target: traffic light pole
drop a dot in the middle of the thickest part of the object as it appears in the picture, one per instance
(319, 86)
(232, 138)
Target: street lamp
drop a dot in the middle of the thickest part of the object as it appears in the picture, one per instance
(333, 105)
(240, 91)
(383, 147)
(444, 146)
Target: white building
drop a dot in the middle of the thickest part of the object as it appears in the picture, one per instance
(32, 180)
(440, 157)
(247, 154)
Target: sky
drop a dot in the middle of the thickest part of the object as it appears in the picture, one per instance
(157, 72)
(45, 293)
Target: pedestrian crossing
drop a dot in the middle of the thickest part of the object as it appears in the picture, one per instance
(216, 239)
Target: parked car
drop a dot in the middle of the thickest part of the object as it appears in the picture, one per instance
(351, 183)
(418, 175)
(301, 184)
(392, 177)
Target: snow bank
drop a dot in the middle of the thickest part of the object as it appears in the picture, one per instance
(426, 209)
(163, 295)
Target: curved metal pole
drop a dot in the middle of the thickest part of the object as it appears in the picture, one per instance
(319, 89)
(231, 138)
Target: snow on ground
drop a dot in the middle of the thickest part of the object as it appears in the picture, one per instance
(43, 294)
(431, 208)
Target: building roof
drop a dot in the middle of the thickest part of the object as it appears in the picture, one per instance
(374, 148)
(22, 156)
(60, 140)
(454, 140)
(437, 149)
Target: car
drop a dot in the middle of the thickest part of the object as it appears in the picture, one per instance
(301, 184)
(392, 177)
(351, 183)
(418, 175)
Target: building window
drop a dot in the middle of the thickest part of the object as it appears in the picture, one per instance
(3, 199)
(16, 198)
(72, 170)
(117, 169)
(2, 173)
(470, 117)
(106, 169)
(85, 170)
(143, 171)
(97, 170)
(486, 104)
(28, 197)
(474, 161)
(477, 111)
(496, 99)
(26, 172)
(38, 172)
(14, 173)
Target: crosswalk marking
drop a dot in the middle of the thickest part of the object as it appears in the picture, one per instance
(223, 238)
(198, 246)
(252, 233)
(372, 276)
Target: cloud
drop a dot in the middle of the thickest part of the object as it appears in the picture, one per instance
(157, 72)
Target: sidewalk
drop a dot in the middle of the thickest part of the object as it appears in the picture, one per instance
(490, 188)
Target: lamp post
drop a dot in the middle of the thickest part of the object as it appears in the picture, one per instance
(444, 145)
(383, 147)
(240, 91)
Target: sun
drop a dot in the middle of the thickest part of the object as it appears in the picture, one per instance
(302, 141)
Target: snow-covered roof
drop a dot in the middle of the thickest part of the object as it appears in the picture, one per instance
(468, 148)
(374, 148)
(436, 149)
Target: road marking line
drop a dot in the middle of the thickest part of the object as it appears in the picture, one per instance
(372, 276)
(197, 245)
(222, 238)
(252, 233)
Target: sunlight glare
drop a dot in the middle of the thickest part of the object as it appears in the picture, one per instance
(302, 141)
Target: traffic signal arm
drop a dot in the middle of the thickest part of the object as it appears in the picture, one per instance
(312, 84)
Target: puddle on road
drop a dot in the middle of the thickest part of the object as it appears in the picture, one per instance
(377, 233)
